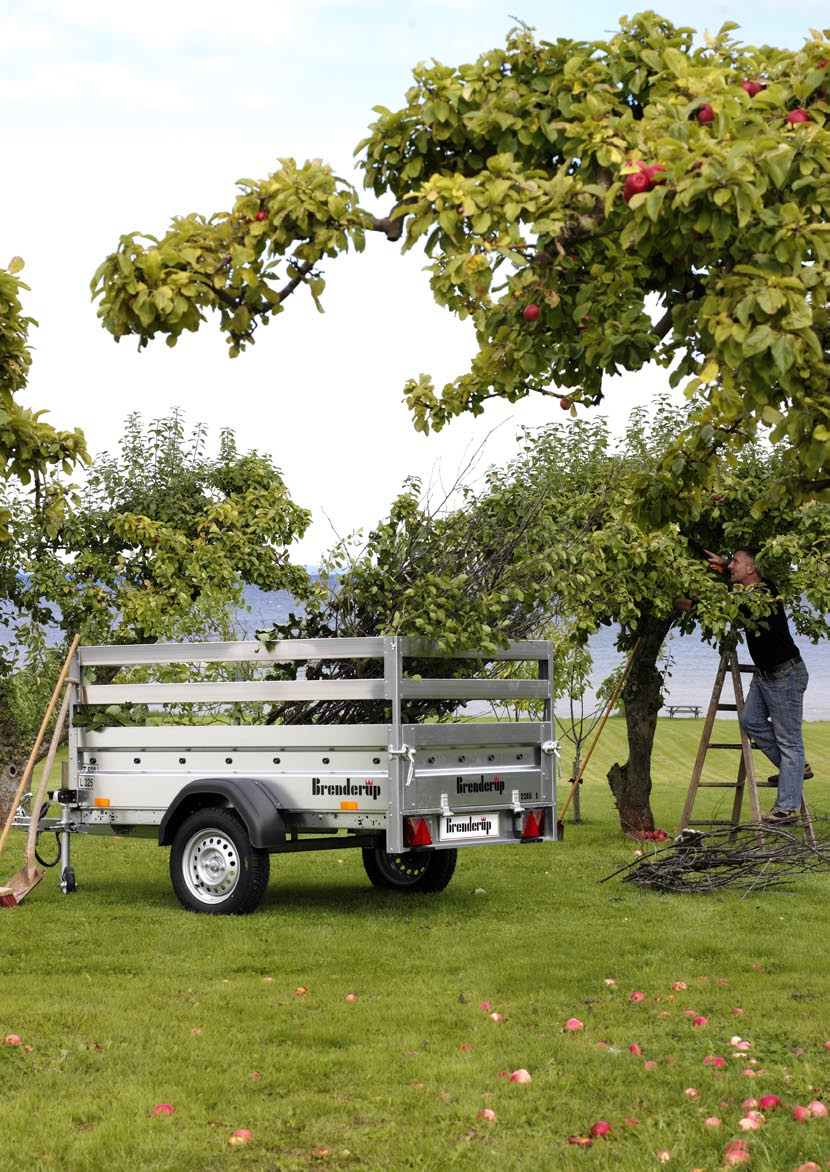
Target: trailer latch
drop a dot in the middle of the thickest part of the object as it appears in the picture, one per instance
(408, 752)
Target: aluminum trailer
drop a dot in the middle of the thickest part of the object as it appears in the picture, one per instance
(225, 795)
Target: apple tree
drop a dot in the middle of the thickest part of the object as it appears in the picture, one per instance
(551, 545)
(592, 207)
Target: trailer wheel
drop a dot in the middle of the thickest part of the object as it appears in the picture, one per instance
(410, 870)
(213, 867)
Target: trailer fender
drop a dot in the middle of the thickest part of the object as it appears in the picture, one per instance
(255, 803)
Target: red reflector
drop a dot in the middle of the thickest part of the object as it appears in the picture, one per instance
(416, 832)
(534, 825)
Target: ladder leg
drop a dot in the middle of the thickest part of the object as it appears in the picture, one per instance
(705, 738)
(807, 823)
(747, 766)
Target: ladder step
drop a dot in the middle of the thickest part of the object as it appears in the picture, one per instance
(711, 822)
(727, 707)
(723, 745)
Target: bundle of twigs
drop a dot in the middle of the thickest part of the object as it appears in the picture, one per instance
(748, 857)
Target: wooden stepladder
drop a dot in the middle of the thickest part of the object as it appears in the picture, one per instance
(745, 781)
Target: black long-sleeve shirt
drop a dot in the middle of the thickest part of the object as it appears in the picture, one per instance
(770, 643)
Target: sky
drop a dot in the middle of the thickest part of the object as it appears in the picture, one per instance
(118, 117)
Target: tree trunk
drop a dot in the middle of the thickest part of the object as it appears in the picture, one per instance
(642, 698)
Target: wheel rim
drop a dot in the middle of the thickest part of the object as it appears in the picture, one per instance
(210, 866)
(402, 869)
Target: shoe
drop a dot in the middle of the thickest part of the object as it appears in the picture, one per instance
(780, 817)
(808, 773)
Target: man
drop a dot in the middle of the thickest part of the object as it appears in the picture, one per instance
(773, 711)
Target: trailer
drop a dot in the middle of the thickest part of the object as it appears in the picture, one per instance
(194, 744)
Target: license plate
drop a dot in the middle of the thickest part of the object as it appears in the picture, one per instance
(456, 827)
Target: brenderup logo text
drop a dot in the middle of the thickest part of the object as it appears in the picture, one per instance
(482, 786)
(345, 789)
(469, 826)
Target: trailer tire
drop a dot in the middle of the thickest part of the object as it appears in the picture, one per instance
(213, 866)
(410, 870)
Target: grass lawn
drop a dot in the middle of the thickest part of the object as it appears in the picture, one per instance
(123, 1001)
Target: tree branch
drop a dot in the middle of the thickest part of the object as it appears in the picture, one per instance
(392, 225)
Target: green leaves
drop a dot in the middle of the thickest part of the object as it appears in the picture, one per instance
(31, 450)
(512, 172)
(166, 536)
(240, 264)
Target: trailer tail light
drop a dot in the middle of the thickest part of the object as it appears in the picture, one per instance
(416, 832)
(104, 802)
(534, 825)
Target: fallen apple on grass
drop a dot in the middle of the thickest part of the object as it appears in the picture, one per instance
(239, 1137)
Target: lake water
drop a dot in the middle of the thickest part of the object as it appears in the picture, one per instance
(691, 664)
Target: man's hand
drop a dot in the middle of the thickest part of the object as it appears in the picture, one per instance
(716, 560)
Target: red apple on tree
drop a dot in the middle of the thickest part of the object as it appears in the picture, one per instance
(796, 116)
(753, 87)
(634, 184)
(532, 312)
(706, 114)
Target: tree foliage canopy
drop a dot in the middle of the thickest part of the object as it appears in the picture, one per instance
(165, 535)
(515, 174)
(31, 451)
(551, 545)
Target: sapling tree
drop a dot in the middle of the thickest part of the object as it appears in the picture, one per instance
(655, 197)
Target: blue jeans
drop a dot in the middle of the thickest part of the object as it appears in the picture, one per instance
(771, 717)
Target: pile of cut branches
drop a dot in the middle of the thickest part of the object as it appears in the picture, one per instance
(748, 857)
